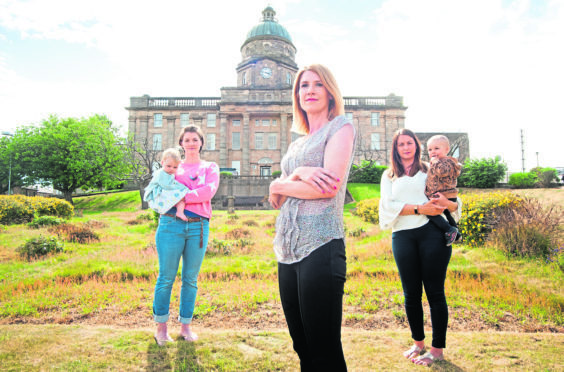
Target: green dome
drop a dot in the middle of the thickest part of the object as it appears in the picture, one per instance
(269, 27)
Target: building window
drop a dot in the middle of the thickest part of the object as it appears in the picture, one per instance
(245, 78)
(257, 123)
(265, 171)
(158, 120)
(274, 122)
(288, 78)
(259, 140)
(237, 165)
(375, 119)
(157, 142)
(236, 123)
(236, 141)
(210, 141)
(375, 141)
(295, 136)
(272, 139)
(349, 115)
(265, 123)
(184, 120)
(211, 120)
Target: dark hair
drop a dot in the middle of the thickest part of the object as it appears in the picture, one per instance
(336, 104)
(191, 129)
(397, 169)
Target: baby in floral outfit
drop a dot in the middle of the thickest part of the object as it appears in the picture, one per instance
(441, 177)
(164, 191)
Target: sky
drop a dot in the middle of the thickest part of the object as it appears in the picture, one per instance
(491, 68)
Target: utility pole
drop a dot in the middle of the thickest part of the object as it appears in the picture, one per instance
(10, 170)
(537, 159)
(522, 152)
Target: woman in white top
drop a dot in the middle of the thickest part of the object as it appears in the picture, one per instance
(419, 247)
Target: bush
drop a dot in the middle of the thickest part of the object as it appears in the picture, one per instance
(479, 212)
(218, 247)
(547, 177)
(530, 230)
(40, 246)
(75, 234)
(45, 221)
(482, 173)
(366, 172)
(368, 210)
(276, 174)
(16, 209)
(525, 180)
(238, 232)
(223, 175)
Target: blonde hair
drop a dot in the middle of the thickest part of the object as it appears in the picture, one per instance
(336, 104)
(171, 153)
(440, 138)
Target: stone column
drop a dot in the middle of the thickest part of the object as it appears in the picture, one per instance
(283, 135)
(223, 156)
(170, 132)
(131, 128)
(144, 127)
(245, 144)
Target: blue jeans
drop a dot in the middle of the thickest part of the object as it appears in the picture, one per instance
(178, 239)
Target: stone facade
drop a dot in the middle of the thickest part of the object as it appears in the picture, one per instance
(248, 127)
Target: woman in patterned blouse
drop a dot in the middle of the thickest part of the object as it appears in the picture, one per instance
(309, 242)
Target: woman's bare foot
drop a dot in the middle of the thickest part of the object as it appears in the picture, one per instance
(417, 349)
(187, 333)
(430, 357)
(161, 336)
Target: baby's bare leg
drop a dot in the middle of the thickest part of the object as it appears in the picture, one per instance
(180, 210)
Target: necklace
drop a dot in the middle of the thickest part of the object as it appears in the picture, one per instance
(193, 178)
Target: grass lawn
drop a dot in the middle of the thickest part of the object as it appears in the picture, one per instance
(89, 308)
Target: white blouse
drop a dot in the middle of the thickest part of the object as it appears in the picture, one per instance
(396, 193)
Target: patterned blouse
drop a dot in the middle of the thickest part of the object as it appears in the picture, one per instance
(305, 225)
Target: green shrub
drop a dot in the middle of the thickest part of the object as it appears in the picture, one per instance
(40, 246)
(525, 180)
(355, 233)
(366, 172)
(218, 247)
(482, 173)
(223, 175)
(368, 210)
(547, 177)
(276, 174)
(479, 212)
(530, 230)
(45, 221)
(16, 209)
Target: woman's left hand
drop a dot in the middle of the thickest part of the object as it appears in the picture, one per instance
(322, 179)
(440, 199)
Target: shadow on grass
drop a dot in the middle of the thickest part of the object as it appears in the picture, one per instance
(158, 358)
(161, 358)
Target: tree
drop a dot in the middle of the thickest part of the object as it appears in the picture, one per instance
(143, 160)
(70, 153)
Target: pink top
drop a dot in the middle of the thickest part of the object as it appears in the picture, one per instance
(202, 180)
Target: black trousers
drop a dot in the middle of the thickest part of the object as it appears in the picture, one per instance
(422, 258)
(440, 222)
(311, 292)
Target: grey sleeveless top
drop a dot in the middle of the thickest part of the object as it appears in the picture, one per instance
(305, 225)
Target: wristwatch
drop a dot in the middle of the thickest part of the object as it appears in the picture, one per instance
(415, 209)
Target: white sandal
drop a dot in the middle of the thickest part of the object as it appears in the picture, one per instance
(413, 350)
(429, 356)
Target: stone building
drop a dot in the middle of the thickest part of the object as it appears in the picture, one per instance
(248, 127)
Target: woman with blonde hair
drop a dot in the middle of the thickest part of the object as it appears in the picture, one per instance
(309, 242)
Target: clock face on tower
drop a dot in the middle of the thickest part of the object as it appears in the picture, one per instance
(266, 72)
